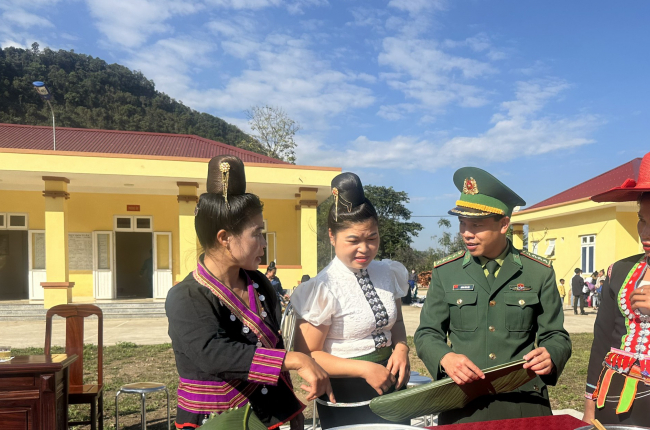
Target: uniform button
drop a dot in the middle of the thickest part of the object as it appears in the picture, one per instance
(522, 302)
(491, 328)
(535, 387)
(492, 356)
(492, 303)
(459, 301)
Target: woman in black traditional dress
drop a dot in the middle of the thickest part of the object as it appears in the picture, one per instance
(224, 317)
(618, 379)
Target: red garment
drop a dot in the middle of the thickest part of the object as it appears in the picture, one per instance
(555, 422)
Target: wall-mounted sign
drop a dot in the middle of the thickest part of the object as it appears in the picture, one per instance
(133, 208)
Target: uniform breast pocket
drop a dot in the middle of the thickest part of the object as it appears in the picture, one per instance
(463, 312)
(520, 310)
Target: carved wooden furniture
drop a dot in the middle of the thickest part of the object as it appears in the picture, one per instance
(34, 392)
(80, 393)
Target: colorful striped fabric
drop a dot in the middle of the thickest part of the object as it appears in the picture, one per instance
(266, 366)
(205, 397)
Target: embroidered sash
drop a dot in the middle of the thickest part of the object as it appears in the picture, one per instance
(242, 312)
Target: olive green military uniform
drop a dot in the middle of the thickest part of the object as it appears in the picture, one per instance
(494, 325)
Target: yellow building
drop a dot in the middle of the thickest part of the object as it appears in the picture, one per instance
(575, 232)
(110, 214)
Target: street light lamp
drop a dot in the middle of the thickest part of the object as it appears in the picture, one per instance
(46, 95)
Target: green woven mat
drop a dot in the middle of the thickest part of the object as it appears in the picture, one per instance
(445, 395)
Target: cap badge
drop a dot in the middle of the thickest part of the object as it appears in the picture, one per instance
(469, 187)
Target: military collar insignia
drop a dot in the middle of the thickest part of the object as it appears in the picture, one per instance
(467, 259)
(466, 287)
(541, 260)
(519, 287)
(449, 258)
(470, 187)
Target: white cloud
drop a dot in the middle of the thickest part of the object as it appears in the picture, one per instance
(293, 7)
(129, 23)
(20, 25)
(478, 43)
(520, 131)
(24, 19)
(422, 71)
(418, 6)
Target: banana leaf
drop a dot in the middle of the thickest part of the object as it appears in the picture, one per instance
(445, 394)
(235, 419)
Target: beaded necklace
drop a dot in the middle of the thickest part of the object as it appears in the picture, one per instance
(635, 341)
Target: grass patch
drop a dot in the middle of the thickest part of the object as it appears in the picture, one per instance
(126, 363)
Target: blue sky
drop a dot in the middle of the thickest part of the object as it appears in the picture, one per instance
(544, 94)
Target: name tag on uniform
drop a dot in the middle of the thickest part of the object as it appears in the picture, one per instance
(519, 287)
(467, 287)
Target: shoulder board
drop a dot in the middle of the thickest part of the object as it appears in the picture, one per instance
(449, 259)
(541, 260)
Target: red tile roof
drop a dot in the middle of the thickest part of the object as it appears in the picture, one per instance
(599, 184)
(121, 142)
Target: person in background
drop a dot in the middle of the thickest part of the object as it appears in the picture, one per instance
(304, 278)
(618, 376)
(413, 283)
(577, 285)
(561, 290)
(599, 293)
(271, 270)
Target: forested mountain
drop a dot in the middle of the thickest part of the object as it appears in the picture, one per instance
(89, 93)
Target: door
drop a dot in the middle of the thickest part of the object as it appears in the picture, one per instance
(103, 265)
(162, 260)
(14, 265)
(134, 264)
(37, 272)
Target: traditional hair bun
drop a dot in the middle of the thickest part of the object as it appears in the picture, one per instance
(226, 170)
(348, 190)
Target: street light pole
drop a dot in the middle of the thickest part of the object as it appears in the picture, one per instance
(46, 95)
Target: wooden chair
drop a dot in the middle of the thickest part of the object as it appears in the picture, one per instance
(78, 393)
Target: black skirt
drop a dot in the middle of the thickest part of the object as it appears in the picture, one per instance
(350, 390)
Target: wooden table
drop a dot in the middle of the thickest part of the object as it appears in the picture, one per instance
(553, 422)
(34, 392)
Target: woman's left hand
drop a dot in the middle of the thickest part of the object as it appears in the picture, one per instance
(640, 299)
(398, 364)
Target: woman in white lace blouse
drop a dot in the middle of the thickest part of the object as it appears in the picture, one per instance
(350, 313)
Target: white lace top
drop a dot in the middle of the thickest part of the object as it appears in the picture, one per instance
(342, 298)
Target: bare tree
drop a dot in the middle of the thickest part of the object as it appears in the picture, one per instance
(274, 131)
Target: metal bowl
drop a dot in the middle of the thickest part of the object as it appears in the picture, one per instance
(376, 427)
(612, 427)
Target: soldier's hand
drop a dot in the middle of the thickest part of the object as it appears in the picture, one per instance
(460, 368)
(539, 361)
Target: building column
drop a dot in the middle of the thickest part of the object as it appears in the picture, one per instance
(57, 288)
(518, 235)
(187, 241)
(308, 205)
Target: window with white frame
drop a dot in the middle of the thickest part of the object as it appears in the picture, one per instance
(550, 248)
(534, 247)
(3, 221)
(15, 221)
(132, 223)
(588, 252)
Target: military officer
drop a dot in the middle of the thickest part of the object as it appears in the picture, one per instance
(495, 304)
